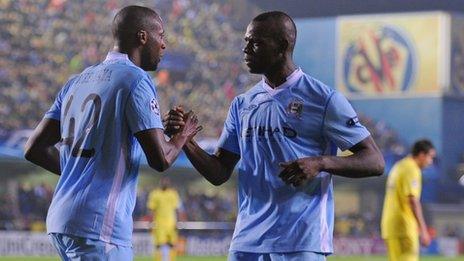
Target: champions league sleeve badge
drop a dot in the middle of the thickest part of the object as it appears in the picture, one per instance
(154, 107)
(295, 108)
(352, 121)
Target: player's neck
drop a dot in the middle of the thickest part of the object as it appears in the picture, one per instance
(417, 161)
(133, 55)
(278, 76)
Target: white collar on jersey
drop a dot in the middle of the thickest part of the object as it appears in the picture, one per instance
(291, 79)
(112, 55)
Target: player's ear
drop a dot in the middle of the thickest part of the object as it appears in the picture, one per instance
(283, 45)
(142, 37)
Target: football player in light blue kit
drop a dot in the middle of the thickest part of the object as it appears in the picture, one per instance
(285, 131)
(100, 117)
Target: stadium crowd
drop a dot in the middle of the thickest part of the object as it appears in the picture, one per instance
(44, 42)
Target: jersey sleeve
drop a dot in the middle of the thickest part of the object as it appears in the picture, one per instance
(142, 108)
(55, 110)
(229, 136)
(410, 183)
(341, 124)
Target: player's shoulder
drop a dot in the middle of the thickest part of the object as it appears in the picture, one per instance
(313, 88)
(173, 193)
(248, 96)
(155, 193)
(407, 166)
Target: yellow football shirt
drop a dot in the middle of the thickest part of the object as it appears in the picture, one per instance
(403, 181)
(164, 204)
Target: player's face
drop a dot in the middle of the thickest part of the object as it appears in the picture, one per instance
(154, 48)
(261, 52)
(426, 159)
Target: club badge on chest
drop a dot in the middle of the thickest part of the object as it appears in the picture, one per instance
(295, 108)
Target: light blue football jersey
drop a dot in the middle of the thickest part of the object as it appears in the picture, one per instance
(265, 126)
(99, 111)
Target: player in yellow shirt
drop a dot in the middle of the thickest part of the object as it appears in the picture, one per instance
(164, 203)
(402, 218)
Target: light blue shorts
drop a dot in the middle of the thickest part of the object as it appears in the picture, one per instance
(292, 256)
(72, 248)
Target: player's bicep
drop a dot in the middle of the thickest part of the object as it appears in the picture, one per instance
(152, 142)
(227, 159)
(341, 123)
(45, 135)
(367, 145)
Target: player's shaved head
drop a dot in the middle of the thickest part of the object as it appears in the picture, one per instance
(132, 19)
(279, 24)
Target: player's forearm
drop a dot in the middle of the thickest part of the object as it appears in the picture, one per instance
(361, 164)
(45, 157)
(416, 208)
(171, 151)
(207, 165)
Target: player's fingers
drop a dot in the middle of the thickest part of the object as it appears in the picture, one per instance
(175, 118)
(179, 109)
(166, 117)
(285, 164)
(199, 128)
(187, 116)
(288, 167)
(293, 179)
(297, 174)
(175, 113)
(193, 118)
(288, 174)
(175, 123)
(285, 172)
(298, 182)
(172, 118)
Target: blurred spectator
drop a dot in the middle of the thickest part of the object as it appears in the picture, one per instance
(356, 225)
(29, 212)
(196, 207)
(385, 137)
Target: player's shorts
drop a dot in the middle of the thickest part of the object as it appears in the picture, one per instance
(72, 248)
(403, 249)
(292, 256)
(165, 236)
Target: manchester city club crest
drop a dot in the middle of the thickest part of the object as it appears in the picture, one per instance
(295, 108)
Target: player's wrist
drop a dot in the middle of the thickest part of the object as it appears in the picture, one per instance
(321, 163)
(180, 140)
(424, 231)
(189, 145)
